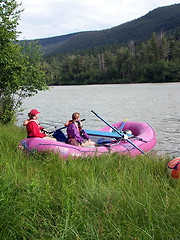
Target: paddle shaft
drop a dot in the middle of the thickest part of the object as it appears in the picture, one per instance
(65, 126)
(120, 134)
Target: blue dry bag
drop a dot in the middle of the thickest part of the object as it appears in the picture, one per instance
(59, 135)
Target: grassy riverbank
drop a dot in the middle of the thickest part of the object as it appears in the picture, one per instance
(109, 197)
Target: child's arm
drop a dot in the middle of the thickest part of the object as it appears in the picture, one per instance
(25, 123)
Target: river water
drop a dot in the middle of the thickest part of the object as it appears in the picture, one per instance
(156, 104)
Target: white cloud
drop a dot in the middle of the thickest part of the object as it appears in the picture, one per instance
(44, 18)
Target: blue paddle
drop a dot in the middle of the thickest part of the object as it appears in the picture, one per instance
(120, 134)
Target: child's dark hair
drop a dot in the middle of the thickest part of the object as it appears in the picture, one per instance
(30, 115)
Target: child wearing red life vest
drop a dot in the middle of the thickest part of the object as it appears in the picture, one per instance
(32, 126)
(31, 118)
(76, 134)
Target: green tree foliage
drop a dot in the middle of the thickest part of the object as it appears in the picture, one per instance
(157, 60)
(22, 73)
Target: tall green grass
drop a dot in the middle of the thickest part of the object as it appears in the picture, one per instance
(106, 197)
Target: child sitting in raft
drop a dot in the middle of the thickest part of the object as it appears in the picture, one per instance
(76, 134)
(33, 128)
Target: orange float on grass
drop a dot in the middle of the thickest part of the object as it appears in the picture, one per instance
(174, 167)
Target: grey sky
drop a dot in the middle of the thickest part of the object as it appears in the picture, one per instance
(45, 18)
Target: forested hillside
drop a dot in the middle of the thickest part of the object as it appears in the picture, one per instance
(164, 19)
(148, 51)
(157, 60)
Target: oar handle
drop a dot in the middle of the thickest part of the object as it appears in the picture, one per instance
(121, 134)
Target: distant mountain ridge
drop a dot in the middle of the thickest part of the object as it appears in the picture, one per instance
(162, 19)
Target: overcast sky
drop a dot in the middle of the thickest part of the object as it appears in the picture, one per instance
(48, 18)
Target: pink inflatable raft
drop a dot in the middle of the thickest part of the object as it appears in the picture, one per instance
(141, 134)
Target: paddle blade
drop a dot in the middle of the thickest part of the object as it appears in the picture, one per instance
(122, 125)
